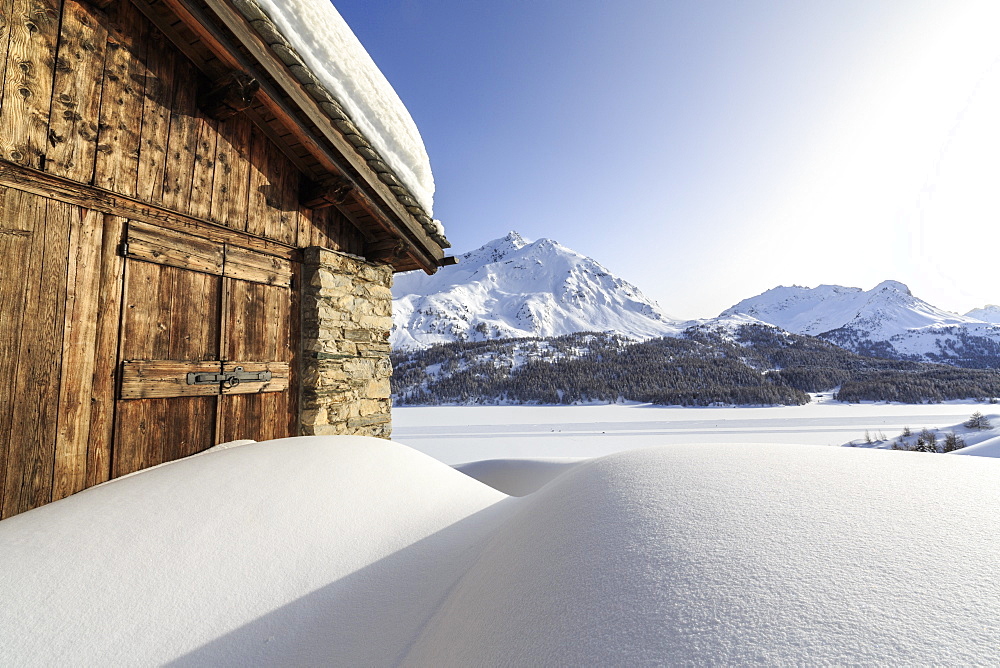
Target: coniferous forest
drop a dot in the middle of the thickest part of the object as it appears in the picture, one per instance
(748, 365)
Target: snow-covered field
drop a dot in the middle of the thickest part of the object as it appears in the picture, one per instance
(734, 542)
(463, 434)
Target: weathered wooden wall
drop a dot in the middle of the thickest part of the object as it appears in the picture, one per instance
(105, 108)
(102, 98)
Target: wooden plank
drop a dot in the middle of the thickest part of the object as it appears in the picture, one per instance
(55, 187)
(274, 184)
(175, 249)
(117, 165)
(206, 140)
(141, 314)
(36, 382)
(194, 316)
(152, 431)
(152, 379)
(156, 121)
(76, 94)
(195, 430)
(248, 265)
(17, 222)
(231, 186)
(102, 416)
(179, 167)
(27, 87)
(79, 353)
(278, 382)
(5, 20)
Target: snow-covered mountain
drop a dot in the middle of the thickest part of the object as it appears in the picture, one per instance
(511, 287)
(988, 313)
(887, 320)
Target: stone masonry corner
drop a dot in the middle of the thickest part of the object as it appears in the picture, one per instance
(346, 321)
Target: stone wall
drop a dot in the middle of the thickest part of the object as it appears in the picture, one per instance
(346, 320)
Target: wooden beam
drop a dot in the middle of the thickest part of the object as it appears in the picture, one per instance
(331, 191)
(55, 187)
(229, 95)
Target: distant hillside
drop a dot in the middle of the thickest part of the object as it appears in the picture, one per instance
(887, 321)
(742, 365)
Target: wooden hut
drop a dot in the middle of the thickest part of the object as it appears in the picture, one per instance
(197, 242)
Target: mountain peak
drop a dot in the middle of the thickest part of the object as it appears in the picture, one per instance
(892, 285)
(512, 288)
(496, 250)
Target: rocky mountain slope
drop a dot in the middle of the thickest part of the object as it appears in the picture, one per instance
(512, 287)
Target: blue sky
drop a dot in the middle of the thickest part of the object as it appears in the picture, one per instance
(708, 151)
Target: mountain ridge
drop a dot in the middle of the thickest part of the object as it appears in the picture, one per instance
(515, 288)
(511, 287)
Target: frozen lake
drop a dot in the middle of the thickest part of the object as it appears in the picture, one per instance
(456, 434)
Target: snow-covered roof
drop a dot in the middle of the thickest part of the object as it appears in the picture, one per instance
(315, 42)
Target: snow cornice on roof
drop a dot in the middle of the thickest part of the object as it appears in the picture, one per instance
(286, 53)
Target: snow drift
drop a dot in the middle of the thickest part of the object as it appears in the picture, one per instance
(354, 551)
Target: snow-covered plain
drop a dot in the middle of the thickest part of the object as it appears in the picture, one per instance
(352, 551)
(458, 434)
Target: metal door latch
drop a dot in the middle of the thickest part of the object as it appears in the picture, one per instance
(228, 379)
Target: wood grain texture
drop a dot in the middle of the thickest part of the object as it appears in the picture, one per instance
(33, 32)
(175, 249)
(263, 322)
(182, 138)
(125, 73)
(79, 352)
(5, 20)
(273, 202)
(257, 267)
(146, 379)
(203, 176)
(76, 94)
(231, 185)
(18, 217)
(36, 395)
(156, 117)
(153, 431)
(278, 383)
(102, 415)
(55, 187)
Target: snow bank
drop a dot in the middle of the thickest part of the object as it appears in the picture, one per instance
(518, 477)
(333, 53)
(310, 551)
(355, 551)
(723, 555)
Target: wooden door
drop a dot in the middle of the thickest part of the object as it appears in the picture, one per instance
(207, 347)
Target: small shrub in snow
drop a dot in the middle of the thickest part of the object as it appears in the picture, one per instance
(978, 421)
(907, 432)
(926, 441)
(952, 442)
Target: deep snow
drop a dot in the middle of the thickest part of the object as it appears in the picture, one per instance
(354, 551)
